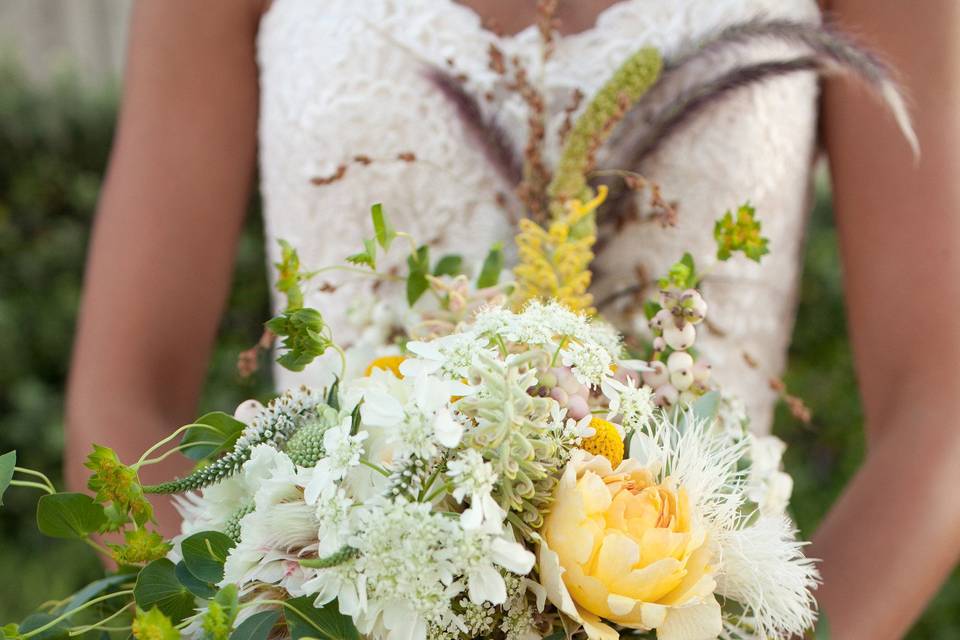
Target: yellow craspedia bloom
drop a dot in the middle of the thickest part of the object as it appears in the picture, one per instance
(623, 547)
(605, 442)
(387, 363)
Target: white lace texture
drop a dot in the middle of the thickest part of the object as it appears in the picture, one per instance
(342, 78)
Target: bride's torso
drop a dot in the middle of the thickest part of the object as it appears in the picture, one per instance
(345, 78)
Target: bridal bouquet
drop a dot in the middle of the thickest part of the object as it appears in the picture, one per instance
(508, 469)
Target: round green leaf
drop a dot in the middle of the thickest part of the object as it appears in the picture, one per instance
(69, 515)
(196, 586)
(257, 626)
(204, 554)
(158, 586)
(327, 623)
(7, 462)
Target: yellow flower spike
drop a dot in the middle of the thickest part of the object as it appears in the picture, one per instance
(387, 363)
(555, 262)
(605, 442)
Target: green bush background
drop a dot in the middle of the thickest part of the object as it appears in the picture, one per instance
(54, 142)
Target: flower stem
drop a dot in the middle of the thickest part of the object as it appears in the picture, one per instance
(85, 605)
(35, 485)
(37, 474)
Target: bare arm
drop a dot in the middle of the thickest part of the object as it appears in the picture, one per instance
(895, 534)
(164, 239)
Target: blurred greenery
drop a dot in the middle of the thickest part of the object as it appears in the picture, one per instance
(54, 142)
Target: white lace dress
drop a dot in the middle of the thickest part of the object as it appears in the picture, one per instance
(342, 78)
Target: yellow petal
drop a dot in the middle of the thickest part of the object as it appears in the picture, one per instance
(597, 630)
(652, 582)
(662, 543)
(589, 593)
(697, 622)
(699, 581)
(618, 554)
(593, 490)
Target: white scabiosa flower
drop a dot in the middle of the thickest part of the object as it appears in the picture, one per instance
(589, 362)
(474, 477)
(762, 567)
(767, 485)
(480, 551)
(449, 357)
(632, 402)
(419, 419)
(342, 453)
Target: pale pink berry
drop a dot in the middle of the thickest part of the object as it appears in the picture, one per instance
(658, 377)
(681, 378)
(679, 360)
(577, 408)
(702, 371)
(560, 396)
(666, 395)
(680, 339)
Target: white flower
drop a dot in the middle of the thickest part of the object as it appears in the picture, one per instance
(334, 512)
(479, 554)
(342, 453)
(419, 419)
(767, 486)
(449, 357)
(589, 362)
(474, 477)
(763, 568)
(634, 403)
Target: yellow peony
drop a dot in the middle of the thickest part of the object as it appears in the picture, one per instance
(617, 545)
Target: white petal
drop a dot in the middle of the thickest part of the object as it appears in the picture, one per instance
(486, 585)
(380, 409)
(512, 556)
(448, 430)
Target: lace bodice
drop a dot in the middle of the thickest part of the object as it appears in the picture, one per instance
(343, 78)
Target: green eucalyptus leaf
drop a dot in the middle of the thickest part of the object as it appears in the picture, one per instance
(492, 266)
(326, 623)
(7, 462)
(220, 429)
(417, 284)
(69, 515)
(158, 586)
(257, 626)
(92, 590)
(204, 554)
(195, 585)
(449, 265)
(382, 228)
(706, 406)
(34, 621)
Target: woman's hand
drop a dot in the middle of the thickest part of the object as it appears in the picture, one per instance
(895, 534)
(165, 233)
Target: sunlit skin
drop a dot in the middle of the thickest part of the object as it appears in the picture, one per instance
(181, 173)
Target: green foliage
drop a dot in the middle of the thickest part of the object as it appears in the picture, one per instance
(327, 623)
(118, 486)
(204, 554)
(449, 265)
(221, 613)
(69, 515)
(305, 337)
(158, 586)
(492, 266)
(7, 462)
(216, 433)
(366, 257)
(740, 234)
(383, 230)
(257, 626)
(140, 547)
(153, 625)
(681, 275)
(417, 284)
(289, 276)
